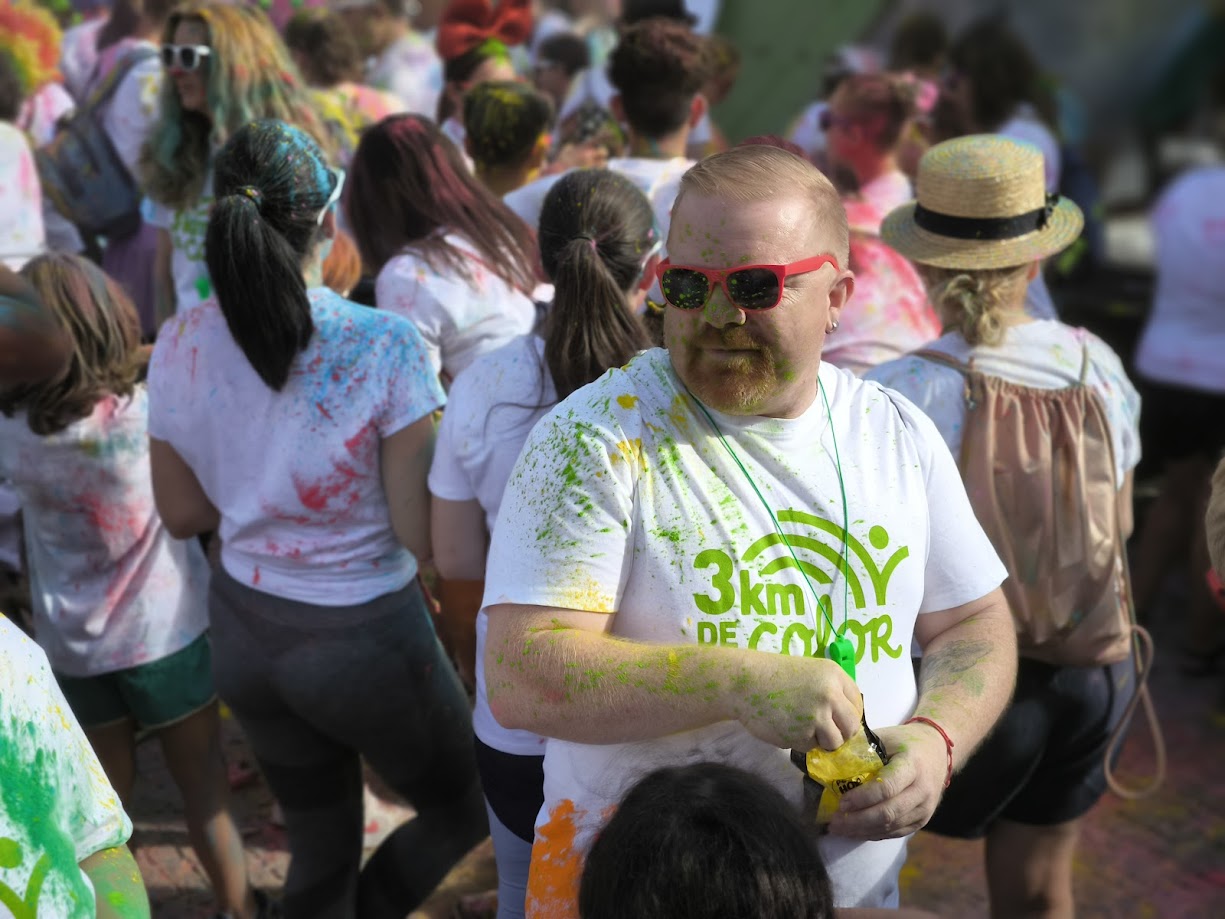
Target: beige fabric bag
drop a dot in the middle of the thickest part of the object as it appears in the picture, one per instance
(1038, 465)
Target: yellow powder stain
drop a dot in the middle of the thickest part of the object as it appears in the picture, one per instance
(628, 451)
(587, 595)
(679, 412)
(552, 884)
(627, 401)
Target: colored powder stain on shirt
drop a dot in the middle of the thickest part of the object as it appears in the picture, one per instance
(627, 401)
(628, 451)
(28, 800)
(552, 886)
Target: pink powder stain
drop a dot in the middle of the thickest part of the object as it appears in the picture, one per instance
(357, 444)
(194, 354)
(323, 411)
(108, 517)
(255, 577)
(337, 488)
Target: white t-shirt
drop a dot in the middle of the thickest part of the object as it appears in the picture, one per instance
(460, 318)
(39, 118)
(129, 116)
(22, 233)
(624, 501)
(806, 131)
(295, 474)
(659, 180)
(1045, 354)
(1183, 342)
(56, 806)
(1026, 125)
(111, 589)
(889, 314)
(491, 409)
(187, 228)
(79, 55)
(410, 69)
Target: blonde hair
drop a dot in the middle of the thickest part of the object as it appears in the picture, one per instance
(105, 333)
(250, 77)
(974, 302)
(1214, 523)
(762, 173)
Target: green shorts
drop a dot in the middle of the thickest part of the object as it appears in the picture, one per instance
(155, 695)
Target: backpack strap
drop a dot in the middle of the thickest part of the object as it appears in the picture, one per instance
(104, 90)
(965, 369)
(939, 357)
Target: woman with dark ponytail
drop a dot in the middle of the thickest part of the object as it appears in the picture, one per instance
(299, 426)
(598, 246)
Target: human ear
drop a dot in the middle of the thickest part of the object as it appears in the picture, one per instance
(839, 294)
(697, 108)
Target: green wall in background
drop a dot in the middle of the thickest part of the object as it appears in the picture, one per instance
(784, 45)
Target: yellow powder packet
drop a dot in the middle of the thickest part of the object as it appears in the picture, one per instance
(836, 772)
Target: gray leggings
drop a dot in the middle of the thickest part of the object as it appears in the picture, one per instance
(318, 688)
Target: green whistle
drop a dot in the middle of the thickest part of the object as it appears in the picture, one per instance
(842, 653)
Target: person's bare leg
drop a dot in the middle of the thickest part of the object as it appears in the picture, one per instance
(1165, 532)
(1029, 870)
(193, 753)
(115, 746)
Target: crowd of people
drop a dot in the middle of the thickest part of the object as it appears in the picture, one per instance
(448, 399)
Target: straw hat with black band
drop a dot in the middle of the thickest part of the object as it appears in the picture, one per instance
(982, 204)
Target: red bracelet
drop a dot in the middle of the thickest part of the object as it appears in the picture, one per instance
(948, 743)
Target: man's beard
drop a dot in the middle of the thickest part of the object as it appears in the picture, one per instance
(737, 386)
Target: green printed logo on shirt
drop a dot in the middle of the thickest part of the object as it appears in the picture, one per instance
(760, 601)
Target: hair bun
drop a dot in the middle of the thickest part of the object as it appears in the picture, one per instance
(250, 191)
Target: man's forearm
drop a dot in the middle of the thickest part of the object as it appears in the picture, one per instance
(967, 677)
(589, 687)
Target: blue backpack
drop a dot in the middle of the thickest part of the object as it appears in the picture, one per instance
(80, 170)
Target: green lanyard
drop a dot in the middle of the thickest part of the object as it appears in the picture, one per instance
(840, 650)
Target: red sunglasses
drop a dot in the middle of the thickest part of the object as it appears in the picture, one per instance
(749, 287)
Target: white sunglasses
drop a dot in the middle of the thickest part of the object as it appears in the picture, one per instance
(185, 57)
(334, 196)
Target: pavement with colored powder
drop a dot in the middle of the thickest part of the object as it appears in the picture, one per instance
(1160, 857)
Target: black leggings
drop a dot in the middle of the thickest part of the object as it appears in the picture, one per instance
(316, 689)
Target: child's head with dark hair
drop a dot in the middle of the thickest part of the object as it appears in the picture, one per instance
(324, 47)
(506, 126)
(409, 185)
(706, 841)
(592, 125)
(992, 74)
(597, 241)
(274, 192)
(659, 68)
(558, 59)
(920, 43)
(104, 331)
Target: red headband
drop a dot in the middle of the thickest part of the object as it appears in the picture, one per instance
(468, 24)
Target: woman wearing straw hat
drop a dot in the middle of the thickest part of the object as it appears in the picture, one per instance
(981, 226)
